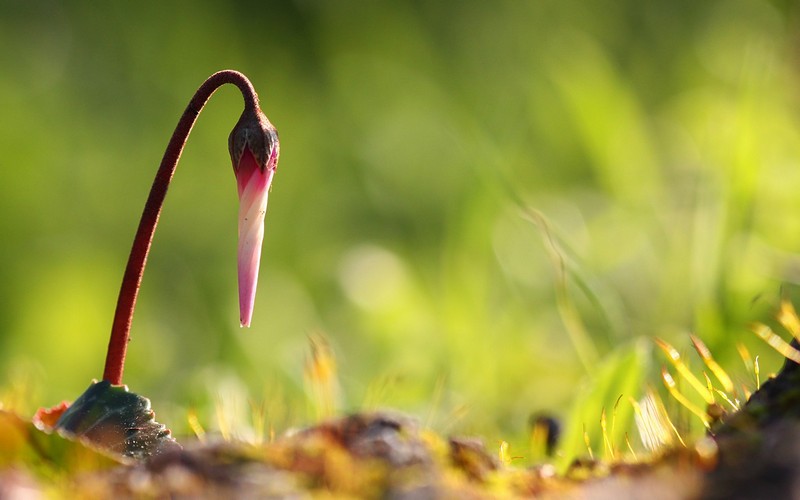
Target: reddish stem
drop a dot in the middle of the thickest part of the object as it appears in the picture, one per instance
(132, 280)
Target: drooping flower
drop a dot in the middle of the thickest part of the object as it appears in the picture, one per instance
(254, 150)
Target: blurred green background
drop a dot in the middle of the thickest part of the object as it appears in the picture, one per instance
(482, 206)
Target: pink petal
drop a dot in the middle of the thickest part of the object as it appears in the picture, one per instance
(253, 186)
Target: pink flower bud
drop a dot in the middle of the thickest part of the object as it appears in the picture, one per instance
(254, 150)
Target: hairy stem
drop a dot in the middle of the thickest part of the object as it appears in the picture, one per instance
(132, 279)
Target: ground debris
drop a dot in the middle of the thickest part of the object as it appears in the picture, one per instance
(754, 453)
(364, 455)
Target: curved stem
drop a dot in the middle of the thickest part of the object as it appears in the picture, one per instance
(132, 279)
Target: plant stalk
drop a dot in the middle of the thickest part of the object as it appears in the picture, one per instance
(132, 279)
